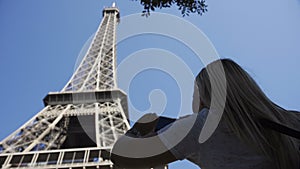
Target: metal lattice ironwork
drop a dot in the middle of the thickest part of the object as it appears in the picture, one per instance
(45, 131)
(78, 125)
(97, 69)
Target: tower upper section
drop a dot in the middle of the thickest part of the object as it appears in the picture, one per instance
(97, 70)
(112, 9)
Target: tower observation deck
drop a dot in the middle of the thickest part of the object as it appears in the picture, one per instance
(78, 125)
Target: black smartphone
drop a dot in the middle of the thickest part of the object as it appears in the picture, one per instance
(163, 121)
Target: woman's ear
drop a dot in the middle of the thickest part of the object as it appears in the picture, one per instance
(196, 99)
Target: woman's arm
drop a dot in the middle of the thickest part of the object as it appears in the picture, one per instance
(136, 148)
(136, 160)
(173, 142)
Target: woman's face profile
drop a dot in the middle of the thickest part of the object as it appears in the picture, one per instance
(196, 99)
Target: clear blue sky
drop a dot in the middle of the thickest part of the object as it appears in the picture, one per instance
(40, 42)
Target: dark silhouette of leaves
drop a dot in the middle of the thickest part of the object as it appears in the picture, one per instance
(185, 6)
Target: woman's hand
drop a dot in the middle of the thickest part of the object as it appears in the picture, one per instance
(145, 125)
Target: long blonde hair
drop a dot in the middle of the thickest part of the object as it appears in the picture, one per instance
(245, 105)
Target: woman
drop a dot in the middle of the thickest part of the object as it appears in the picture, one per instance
(241, 139)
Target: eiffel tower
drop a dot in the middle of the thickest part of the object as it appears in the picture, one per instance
(79, 125)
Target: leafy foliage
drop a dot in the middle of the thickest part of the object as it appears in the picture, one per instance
(185, 6)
